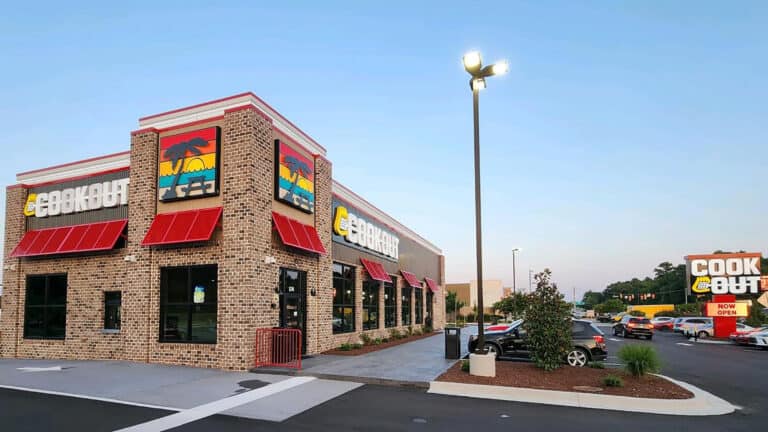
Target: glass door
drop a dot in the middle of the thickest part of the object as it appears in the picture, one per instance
(293, 296)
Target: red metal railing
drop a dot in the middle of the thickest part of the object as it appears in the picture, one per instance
(278, 347)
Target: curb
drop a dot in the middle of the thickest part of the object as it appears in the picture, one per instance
(350, 378)
(709, 341)
(702, 404)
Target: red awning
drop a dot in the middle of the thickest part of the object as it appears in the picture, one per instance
(182, 227)
(296, 234)
(91, 237)
(376, 270)
(411, 278)
(432, 285)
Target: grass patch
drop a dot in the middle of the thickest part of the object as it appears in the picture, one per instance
(639, 359)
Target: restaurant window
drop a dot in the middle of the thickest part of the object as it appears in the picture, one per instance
(45, 307)
(343, 298)
(370, 304)
(390, 305)
(419, 306)
(112, 306)
(188, 304)
(405, 307)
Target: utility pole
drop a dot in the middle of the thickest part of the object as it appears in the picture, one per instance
(530, 278)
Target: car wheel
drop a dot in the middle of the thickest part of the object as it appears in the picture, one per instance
(493, 349)
(577, 358)
(703, 335)
(623, 333)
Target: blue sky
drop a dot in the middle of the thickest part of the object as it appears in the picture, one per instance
(625, 134)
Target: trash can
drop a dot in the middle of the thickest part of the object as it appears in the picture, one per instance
(452, 343)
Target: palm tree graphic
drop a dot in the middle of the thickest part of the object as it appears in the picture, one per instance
(176, 153)
(296, 168)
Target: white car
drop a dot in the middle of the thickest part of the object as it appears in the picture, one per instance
(704, 331)
(759, 339)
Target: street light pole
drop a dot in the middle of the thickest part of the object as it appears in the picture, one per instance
(514, 274)
(474, 65)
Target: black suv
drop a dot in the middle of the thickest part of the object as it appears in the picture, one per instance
(634, 326)
(588, 343)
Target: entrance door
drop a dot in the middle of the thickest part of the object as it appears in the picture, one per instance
(293, 302)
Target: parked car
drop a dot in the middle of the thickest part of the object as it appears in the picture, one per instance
(741, 337)
(704, 331)
(634, 326)
(619, 316)
(605, 317)
(662, 323)
(759, 339)
(588, 343)
(682, 323)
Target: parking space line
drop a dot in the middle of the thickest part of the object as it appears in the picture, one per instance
(215, 407)
(93, 398)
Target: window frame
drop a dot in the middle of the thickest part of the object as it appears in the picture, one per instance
(419, 303)
(111, 303)
(390, 304)
(45, 306)
(405, 306)
(348, 283)
(189, 304)
(369, 305)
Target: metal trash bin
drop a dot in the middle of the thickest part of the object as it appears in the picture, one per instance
(453, 343)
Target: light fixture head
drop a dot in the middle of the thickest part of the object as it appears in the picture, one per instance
(472, 62)
(500, 67)
(477, 83)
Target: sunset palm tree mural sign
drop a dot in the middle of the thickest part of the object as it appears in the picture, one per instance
(295, 179)
(188, 165)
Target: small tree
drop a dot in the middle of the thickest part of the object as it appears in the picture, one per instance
(453, 305)
(610, 305)
(515, 304)
(548, 323)
(756, 316)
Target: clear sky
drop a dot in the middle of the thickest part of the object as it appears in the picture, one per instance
(626, 133)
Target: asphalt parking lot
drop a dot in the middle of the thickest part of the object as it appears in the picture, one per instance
(735, 373)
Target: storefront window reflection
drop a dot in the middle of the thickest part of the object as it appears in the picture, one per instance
(390, 305)
(188, 304)
(406, 307)
(343, 298)
(370, 304)
(419, 306)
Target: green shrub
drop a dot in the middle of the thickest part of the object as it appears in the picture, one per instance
(366, 338)
(639, 359)
(465, 365)
(428, 329)
(756, 316)
(548, 323)
(345, 347)
(395, 334)
(357, 346)
(637, 313)
(596, 365)
(384, 340)
(416, 332)
(613, 381)
(410, 330)
(690, 309)
(376, 341)
(667, 313)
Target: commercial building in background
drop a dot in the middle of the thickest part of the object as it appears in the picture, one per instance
(467, 293)
(221, 219)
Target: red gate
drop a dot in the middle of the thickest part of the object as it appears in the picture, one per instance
(279, 347)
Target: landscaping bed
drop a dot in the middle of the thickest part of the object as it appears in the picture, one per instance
(365, 349)
(515, 374)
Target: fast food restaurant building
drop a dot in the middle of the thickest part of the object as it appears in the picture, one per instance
(221, 219)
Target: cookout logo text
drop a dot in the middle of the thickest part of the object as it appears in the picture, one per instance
(361, 232)
(725, 274)
(77, 199)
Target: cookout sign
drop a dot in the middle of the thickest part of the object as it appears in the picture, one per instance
(724, 273)
(360, 232)
(77, 199)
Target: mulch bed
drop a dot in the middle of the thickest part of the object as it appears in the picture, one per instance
(384, 345)
(565, 378)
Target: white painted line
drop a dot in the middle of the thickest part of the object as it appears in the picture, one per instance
(40, 369)
(684, 344)
(93, 398)
(209, 409)
(615, 340)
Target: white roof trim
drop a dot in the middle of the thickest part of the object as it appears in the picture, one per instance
(356, 200)
(216, 109)
(76, 169)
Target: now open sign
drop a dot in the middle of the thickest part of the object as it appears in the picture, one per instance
(727, 310)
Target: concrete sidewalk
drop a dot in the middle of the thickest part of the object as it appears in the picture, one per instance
(420, 361)
(165, 387)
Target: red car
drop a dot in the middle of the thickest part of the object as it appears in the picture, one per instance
(497, 327)
(663, 323)
(741, 337)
